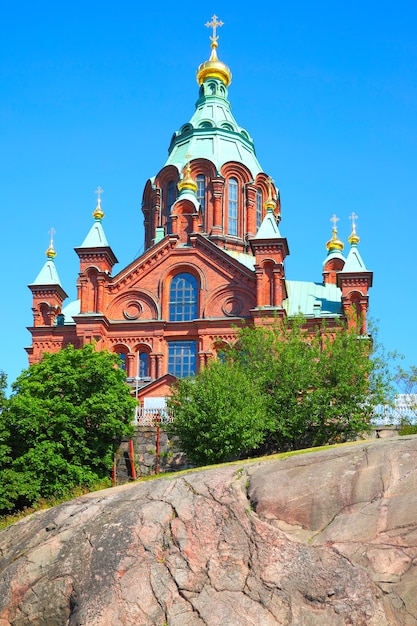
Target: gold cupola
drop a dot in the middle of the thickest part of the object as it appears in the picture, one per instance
(187, 182)
(353, 238)
(213, 68)
(98, 213)
(334, 244)
(50, 252)
(270, 204)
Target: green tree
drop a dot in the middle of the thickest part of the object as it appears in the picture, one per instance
(218, 414)
(281, 387)
(320, 384)
(65, 418)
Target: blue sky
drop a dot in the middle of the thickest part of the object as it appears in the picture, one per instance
(91, 92)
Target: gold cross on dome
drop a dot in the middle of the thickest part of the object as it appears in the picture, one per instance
(99, 191)
(334, 219)
(52, 232)
(353, 217)
(214, 24)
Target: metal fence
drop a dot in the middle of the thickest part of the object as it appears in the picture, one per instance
(404, 409)
(152, 417)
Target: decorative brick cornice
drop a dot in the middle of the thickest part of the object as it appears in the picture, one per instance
(143, 265)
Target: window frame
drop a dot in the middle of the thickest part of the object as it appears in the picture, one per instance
(182, 358)
(201, 192)
(232, 206)
(258, 208)
(183, 298)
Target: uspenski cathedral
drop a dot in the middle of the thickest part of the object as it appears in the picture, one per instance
(214, 255)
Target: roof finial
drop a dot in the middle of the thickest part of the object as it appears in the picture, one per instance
(270, 204)
(213, 68)
(334, 243)
(214, 24)
(187, 182)
(98, 213)
(50, 253)
(353, 238)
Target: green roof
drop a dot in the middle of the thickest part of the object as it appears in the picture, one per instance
(72, 308)
(96, 237)
(48, 275)
(354, 261)
(312, 299)
(213, 133)
(269, 228)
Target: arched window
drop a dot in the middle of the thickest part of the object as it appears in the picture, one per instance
(232, 207)
(171, 197)
(183, 298)
(122, 363)
(143, 364)
(201, 192)
(258, 208)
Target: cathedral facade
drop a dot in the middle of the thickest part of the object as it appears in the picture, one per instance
(214, 256)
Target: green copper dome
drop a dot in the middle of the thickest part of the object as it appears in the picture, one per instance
(213, 133)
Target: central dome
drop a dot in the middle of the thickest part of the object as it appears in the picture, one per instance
(213, 68)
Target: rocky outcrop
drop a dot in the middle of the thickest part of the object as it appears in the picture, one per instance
(326, 538)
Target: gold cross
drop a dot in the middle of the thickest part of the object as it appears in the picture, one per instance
(52, 232)
(334, 219)
(99, 191)
(353, 217)
(214, 24)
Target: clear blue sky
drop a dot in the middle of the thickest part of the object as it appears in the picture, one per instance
(91, 93)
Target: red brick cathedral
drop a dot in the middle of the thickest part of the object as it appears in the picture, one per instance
(214, 255)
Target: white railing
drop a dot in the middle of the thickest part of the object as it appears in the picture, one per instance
(152, 417)
(404, 409)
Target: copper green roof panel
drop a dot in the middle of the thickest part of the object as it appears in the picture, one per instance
(96, 237)
(269, 228)
(312, 299)
(72, 308)
(48, 275)
(334, 254)
(354, 262)
(213, 133)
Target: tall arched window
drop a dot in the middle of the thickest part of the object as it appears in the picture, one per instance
(232, 207)
(183, 298)
(171, 197)
(258, 208)
(143, 364)
(122, 363)
(201, 192)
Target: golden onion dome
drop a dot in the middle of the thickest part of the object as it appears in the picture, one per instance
(213, 68)
(353, 238)
(187, 182)
(50, 253)
(98, 213)
(270, 204)
(334, 244)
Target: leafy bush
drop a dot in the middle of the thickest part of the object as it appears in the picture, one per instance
(62, 425)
